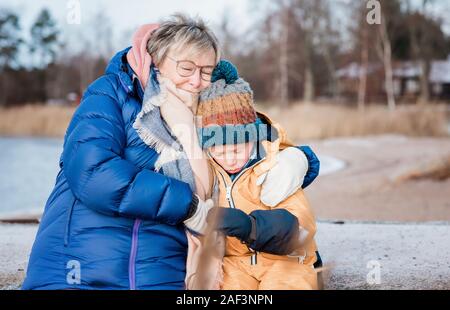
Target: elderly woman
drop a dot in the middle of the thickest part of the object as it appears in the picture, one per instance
(117, 216)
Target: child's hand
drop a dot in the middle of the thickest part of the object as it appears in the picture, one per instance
(232, 222)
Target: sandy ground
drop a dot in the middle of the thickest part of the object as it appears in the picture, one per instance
(371, 186)
(407, 256)
(385, 255)
(16, 241)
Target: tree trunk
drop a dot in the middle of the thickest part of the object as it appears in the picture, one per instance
(418, 58)
(425, 67)
(284, 74)
(389, 80)
(308, 81)
(387, 61)
(362, 88)
(308, 84)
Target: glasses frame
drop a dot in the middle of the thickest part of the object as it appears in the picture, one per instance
(193, 72)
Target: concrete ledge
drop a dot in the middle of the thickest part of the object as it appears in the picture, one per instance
(410, 256)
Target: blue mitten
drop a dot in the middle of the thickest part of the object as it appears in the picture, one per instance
(277, 232)
(232, 222)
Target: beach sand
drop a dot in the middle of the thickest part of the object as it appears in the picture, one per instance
(386, 178)
(380, 181)
(408, 256)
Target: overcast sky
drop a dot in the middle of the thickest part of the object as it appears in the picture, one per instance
(126, 15)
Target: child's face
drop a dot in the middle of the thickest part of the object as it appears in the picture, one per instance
(232, 157)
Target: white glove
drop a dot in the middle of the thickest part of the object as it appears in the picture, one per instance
(285, 178)
(197, 222)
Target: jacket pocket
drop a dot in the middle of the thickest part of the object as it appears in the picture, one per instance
(68, 222)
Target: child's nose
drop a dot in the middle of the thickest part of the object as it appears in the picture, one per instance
(231, 160)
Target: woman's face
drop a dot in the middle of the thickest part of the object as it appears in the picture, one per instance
(194, 83)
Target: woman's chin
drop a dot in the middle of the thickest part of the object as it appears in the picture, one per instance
(193, 92)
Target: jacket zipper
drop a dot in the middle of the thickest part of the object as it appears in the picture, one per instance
(229, 188)
(132, 263)
(68, 222)
(229, 197)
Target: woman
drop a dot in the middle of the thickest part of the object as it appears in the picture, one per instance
(112, 221)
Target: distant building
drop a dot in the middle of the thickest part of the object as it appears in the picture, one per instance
(406, 80)
(348, 77)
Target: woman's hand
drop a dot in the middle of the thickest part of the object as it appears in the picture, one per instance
(175, 109)
(198, 221)
(285, 178)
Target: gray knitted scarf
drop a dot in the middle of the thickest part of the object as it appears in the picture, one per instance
(153, 130)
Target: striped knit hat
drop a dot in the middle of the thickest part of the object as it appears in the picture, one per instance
(225, 113)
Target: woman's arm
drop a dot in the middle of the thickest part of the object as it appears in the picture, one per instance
(178, 115)
(101, 179)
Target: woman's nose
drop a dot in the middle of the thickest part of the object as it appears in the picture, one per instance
(195, 80)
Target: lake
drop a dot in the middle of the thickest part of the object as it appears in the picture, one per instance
(29, 167)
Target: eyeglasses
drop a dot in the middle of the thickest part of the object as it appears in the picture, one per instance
(187, 68)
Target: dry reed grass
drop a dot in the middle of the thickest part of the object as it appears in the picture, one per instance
(302, 121)
(319, 121)
(35, 120)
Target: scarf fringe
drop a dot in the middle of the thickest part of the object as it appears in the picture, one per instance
(166, 152)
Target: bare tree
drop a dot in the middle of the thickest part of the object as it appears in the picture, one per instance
(364, 67)
(307, 13)
(327, 38)
(384, 50)
(284, 61)
(427, 42)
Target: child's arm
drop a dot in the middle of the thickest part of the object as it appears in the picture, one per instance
(283, 229)
(270, 231)
(298, 205)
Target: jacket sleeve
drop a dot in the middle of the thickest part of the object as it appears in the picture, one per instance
(103, 180)
(298, 205)
(313, 165)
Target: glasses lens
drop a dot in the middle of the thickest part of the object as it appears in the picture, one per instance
(207, 73)
(186, 68)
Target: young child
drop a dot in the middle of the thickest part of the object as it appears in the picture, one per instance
(267, 247)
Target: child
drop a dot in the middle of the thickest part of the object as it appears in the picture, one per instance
(267, 247)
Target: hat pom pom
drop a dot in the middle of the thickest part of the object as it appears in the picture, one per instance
(225, 70)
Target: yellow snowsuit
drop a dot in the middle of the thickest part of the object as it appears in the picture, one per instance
(241, 272)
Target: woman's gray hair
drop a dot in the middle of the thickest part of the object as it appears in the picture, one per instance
(181, 31)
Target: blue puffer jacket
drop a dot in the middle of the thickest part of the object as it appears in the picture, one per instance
(111, 222)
